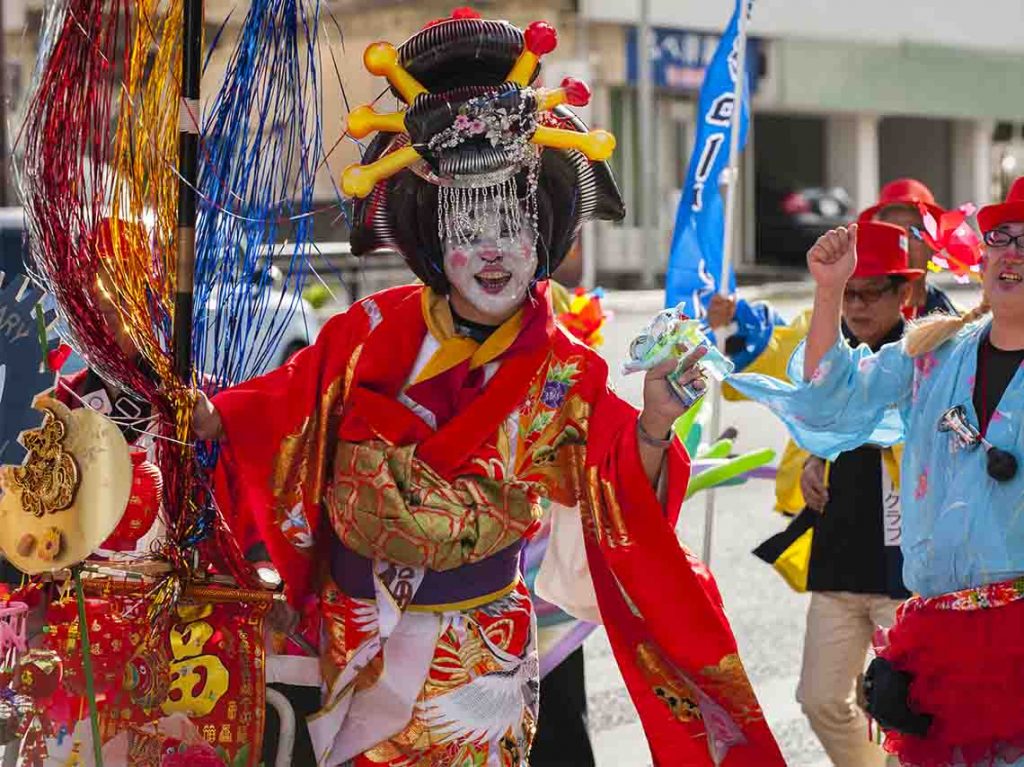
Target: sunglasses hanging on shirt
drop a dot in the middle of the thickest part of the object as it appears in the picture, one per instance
(1002, 465)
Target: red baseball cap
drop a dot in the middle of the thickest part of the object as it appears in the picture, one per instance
(882, 251)
(1012, 210)
(903, 191)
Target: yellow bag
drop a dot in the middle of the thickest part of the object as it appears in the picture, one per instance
(794, 563)
(789, 552)
(789, 499)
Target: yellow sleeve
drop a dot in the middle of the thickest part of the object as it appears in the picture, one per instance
(775, 357)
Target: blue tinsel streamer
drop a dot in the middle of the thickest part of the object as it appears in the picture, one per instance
(262, 145)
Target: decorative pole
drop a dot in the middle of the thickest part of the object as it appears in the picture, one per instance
(90, 680)
(188, 167)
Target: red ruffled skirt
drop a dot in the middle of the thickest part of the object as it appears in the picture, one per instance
(965, 653)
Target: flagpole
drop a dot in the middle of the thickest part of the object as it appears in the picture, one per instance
(728, 244)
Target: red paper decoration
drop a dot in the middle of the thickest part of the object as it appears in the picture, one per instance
(109, 641)
(956, 245)
(586, 318)
(143, 505)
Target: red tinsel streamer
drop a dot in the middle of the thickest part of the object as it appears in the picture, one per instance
(70, 148)
(100, 150)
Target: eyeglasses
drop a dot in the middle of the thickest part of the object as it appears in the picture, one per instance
(997, 238)
(867, 295)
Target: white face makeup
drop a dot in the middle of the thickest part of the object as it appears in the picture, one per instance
(492, 271)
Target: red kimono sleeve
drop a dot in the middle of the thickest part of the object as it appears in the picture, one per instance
(279, 430)
(661, 607)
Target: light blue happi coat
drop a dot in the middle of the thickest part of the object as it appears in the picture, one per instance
(960, 527)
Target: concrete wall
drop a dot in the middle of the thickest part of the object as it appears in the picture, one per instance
(926, 81)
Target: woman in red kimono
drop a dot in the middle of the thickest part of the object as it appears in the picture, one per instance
(395, 468)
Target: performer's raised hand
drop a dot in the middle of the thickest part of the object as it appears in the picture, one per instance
(206, 421)
(663, 405)
(832, 259)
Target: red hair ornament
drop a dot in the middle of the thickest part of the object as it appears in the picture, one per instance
(956, 245)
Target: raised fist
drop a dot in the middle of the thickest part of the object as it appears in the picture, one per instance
(832, 259)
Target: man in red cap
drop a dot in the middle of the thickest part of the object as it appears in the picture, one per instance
(850, 512)
(898, 204)
(948, 680)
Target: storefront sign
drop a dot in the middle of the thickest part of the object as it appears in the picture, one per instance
(680, 57)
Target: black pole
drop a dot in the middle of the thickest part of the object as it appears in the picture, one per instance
(4, 176)
(188, 154)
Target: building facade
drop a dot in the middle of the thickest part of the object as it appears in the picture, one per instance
(847, 96)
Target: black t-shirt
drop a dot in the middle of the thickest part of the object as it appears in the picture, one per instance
(996, 369)
(848, 551)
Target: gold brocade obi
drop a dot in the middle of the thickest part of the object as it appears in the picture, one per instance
(384, 503)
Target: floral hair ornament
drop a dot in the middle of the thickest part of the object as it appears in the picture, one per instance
(472, 140)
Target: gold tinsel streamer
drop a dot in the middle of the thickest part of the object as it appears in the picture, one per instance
(146, 186)
(145, 183)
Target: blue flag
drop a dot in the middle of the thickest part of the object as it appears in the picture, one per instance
(695, 259)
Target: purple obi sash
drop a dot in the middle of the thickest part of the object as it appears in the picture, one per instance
(462, 588)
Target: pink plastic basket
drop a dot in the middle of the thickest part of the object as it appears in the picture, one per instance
(13, 641)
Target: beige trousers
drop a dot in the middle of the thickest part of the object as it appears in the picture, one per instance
(840, 626)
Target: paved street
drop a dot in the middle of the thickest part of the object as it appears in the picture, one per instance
(767, 617)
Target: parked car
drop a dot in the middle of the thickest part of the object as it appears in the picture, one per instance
(789, 221)
(287, 334)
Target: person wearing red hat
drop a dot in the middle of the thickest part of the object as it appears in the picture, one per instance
(948, 681)
(843, 534)
(899, 203)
